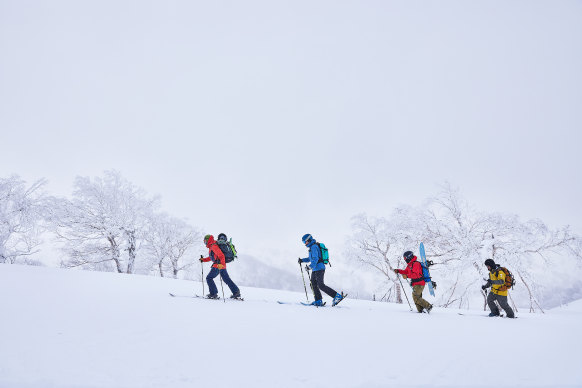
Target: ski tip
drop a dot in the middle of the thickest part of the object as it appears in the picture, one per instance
(171, 294)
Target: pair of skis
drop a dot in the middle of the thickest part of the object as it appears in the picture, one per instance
(311, 304)
(242, 299)
(202, 297)
(301, 303)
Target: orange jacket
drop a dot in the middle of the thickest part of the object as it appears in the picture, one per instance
(214, 254)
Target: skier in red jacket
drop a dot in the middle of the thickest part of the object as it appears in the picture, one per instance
(414, 271)
(218, 267)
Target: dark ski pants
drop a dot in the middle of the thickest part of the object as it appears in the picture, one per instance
(418, 299)
(224, 275)
(317, 284)
(502, 300)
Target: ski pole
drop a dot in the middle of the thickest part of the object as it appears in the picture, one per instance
(304, 286)
(310, 282)
(401, 285)
(221, 286)
(202, 279)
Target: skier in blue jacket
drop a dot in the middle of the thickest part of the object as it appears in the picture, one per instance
(318, 271)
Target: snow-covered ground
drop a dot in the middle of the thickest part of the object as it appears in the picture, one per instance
(66, 328)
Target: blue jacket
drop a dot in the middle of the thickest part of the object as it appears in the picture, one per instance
(314, 257)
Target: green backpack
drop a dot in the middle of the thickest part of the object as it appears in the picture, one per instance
(324, 253)
(227, 247)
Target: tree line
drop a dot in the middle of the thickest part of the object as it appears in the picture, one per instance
(109, 224)
(459, 239)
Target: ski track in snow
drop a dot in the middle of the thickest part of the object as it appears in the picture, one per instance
(68, 328)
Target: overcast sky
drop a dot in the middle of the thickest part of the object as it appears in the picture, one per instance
(270, 119)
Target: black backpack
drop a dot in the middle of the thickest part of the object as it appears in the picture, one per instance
(226, 247)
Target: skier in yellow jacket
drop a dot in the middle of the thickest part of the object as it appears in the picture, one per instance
(498, 290)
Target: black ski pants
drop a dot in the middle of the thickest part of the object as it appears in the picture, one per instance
(317, 284)
(502, 300)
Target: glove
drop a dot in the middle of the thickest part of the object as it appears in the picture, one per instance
(404, 276)
(396, 271)
(484, 287)
(201, 259)
(299, 261)
(220, 266)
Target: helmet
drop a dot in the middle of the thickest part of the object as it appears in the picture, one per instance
(408, 255)
(222, 237)
(306, 238)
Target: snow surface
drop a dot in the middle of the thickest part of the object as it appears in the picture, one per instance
(67, 328)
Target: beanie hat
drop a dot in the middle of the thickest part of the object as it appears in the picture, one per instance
(207, 238)
(490, 263)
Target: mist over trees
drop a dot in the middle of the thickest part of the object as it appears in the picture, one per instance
(109, 224)
(459, 239)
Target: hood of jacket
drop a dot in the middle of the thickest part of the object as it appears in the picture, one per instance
(210, 241)
(414, 258)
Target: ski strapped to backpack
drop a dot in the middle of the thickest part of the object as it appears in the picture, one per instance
(509, 279)
(227, 247)
(324, 254)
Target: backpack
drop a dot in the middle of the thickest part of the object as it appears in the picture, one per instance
(509, 279)
(227, 248)
(324, 254)
(423, 269)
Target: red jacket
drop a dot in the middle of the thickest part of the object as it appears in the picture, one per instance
(413, 271)
(214, 254)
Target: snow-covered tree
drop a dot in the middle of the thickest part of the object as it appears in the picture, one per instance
(168, 240)
(459, 239)
(104, 224)
(23, 210)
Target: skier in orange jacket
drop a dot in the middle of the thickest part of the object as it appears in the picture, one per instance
(218, 267)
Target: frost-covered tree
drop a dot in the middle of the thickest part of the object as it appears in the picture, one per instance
(379, 243)
(459, 239)
(23, 210)
(168, 240)
(104, 224)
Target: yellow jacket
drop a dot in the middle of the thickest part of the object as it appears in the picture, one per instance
(497, 277)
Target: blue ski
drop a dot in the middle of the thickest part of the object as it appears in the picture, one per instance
(300, 303)
(309, 304)
(425, 271)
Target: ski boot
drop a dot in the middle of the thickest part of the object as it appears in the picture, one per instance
(493, 315)
(429, 309)
(236, 295)
(212, 296)
(338, 298)
(317, 303)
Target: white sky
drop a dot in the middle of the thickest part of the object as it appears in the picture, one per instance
(270, 119)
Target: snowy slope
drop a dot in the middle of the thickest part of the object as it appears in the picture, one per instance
(65, 328)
